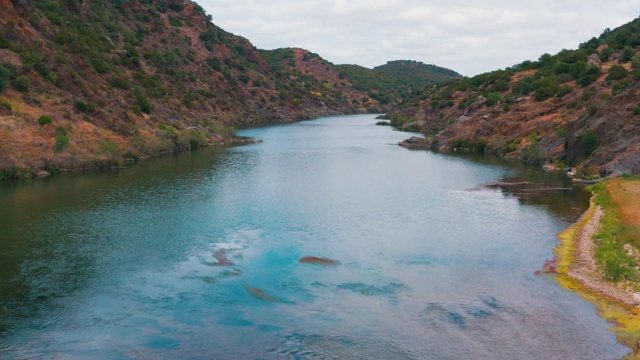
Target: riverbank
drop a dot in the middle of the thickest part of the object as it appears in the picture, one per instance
(607, 230)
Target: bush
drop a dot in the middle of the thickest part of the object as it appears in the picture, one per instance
(62, 139)
(174, 21)
(564, 90)
(83, 106)
(564, 78)
(21, 83)
(627, 54)
(244, 78)
(5, 104)
(544, 93)
(605, 54)
(142, 100)
(45, 119)
(5, 76)
(636, 110)
(617, 72)
(120, 82)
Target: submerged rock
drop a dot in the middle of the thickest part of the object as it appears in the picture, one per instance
(261, 294)
(318, 260)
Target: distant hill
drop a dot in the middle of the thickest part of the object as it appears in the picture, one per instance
(417, 72)
(86, 84)
(578, 108)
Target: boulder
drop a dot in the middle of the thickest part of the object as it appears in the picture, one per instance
(415, 142)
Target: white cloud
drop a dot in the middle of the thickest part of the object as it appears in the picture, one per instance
(467, 36)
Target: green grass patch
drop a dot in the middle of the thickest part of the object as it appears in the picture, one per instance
(611, 256)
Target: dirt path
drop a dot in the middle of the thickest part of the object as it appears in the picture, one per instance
(585, 268)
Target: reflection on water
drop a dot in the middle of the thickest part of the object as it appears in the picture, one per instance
(426, 256)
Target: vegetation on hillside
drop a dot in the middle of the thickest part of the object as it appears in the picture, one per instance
(127, 79)
(574, 108)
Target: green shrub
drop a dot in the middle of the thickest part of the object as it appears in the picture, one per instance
(21, 83)
(627, 54)
(617, 72)
(564, 90)
(83, 106)
(605, 54)
(143, 102)
(636, 110)
(45, 119)
(244, 78)
(544, 93)
(62, 139)
(5, 104)
(120, 82)
(174, 21)
(592, 109)
(590, 142)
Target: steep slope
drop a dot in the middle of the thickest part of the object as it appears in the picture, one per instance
(97, 83)
(575, 108)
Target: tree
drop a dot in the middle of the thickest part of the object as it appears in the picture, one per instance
(627, 54)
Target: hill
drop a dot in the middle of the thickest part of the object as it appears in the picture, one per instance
(97, 84)
(411, 71)
(578, 108)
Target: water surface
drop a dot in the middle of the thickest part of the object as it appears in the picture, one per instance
(197, 256)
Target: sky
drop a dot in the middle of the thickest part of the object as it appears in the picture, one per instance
(468, 36)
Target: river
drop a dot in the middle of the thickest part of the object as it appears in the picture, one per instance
(197, 255)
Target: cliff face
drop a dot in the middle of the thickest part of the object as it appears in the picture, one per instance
(122, 79)
(576, 108)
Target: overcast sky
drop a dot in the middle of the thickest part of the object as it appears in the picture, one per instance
(470, 37)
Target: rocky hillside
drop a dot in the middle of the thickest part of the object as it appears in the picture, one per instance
(576, 108)
(98, 83)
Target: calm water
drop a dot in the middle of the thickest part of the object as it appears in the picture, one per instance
(196, 256)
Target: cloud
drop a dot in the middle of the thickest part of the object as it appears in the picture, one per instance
(467, 36)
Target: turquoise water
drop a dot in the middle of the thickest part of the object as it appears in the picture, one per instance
(197, 256)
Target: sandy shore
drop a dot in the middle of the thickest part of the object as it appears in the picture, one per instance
(584, 268)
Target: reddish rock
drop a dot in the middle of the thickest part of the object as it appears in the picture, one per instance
(318, 261)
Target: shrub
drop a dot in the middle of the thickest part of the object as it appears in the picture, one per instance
(5, 104)
(45, 119)
(21, 83)
(175, 6)
(142, 100)
(563, 78)
(564, 90)
(636, 110)
(62, 139)
(544, 93)
(627, 54)
(120, 82)
(244, 78)
(215, 64)
(83, 106)
(617, 72)
(592, 109)
(174, 21)
(605, 54)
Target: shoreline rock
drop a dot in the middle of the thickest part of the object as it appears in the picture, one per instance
(416, 143)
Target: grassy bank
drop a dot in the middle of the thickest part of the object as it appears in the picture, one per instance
(616, 244)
